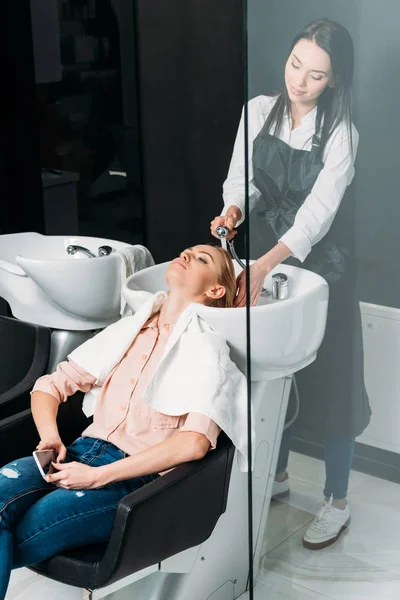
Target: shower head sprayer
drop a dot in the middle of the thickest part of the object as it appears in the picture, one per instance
(222, 231)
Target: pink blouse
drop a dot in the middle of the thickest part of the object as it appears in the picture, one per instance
(121, 416)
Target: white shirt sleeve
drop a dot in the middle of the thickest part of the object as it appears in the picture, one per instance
(315, 216)
(234, 186)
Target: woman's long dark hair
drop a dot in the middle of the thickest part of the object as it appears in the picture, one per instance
(334, 104)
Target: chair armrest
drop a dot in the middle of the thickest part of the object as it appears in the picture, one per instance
(28, 342)
(17, 395)
(17, 398)
(19, 436)
(177, 511)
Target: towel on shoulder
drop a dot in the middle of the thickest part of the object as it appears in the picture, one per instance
(195, 374)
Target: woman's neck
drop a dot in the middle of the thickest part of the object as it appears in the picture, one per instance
(298, 112)
(173, 307)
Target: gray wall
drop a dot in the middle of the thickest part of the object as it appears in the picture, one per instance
(374, 27)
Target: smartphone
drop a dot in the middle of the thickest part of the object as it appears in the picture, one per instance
(43, 459)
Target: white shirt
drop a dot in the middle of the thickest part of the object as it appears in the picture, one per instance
(315, 216)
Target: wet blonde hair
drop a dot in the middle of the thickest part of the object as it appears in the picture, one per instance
(227, 278)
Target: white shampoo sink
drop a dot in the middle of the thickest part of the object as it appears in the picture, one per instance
(285, 334)
(45, 285)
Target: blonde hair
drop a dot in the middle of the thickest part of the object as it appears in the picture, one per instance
(227, 278)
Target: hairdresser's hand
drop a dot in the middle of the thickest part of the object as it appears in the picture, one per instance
(75, 476)
(54, 443)
(233, 215)
(257, 276)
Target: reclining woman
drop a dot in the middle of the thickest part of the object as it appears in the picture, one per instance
(163, 379)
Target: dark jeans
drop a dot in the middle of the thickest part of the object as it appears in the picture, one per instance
(39, 520)
(339, 453)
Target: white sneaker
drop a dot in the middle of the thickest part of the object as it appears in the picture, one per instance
(280, 489)
(326, 527)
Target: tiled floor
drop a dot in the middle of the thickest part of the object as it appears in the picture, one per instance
(26, 585)
(363, 565)
(280, 589)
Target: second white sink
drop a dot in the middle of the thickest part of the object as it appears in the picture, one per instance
(45, 285)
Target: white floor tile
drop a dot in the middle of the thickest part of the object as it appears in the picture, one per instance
(283, 521)
(304, 495)
(281, 589)
(26, 585)
(375, 526)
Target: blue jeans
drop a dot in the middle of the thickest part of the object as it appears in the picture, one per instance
(39, 520)
(339, 453)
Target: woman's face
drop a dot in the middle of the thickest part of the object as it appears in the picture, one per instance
(308, 72)
(196, 273)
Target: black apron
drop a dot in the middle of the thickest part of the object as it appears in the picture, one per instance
(333, 398)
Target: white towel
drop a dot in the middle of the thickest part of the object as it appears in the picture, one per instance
(133, 259)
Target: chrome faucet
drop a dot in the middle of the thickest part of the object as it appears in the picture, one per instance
(280, 286)
(73, 249)
(102, 250)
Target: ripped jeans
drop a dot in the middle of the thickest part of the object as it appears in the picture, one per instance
(39, 520)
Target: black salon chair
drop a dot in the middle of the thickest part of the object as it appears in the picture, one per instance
(173, 513)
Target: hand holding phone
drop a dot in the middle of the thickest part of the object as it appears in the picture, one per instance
(55, 442)
(44, 459)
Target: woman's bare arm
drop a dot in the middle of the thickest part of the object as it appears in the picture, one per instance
(44, 411)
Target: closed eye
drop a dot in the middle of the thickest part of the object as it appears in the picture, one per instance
(298, 67)
(199, 256)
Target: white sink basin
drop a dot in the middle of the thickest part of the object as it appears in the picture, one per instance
(45, 285)
(285, 334)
